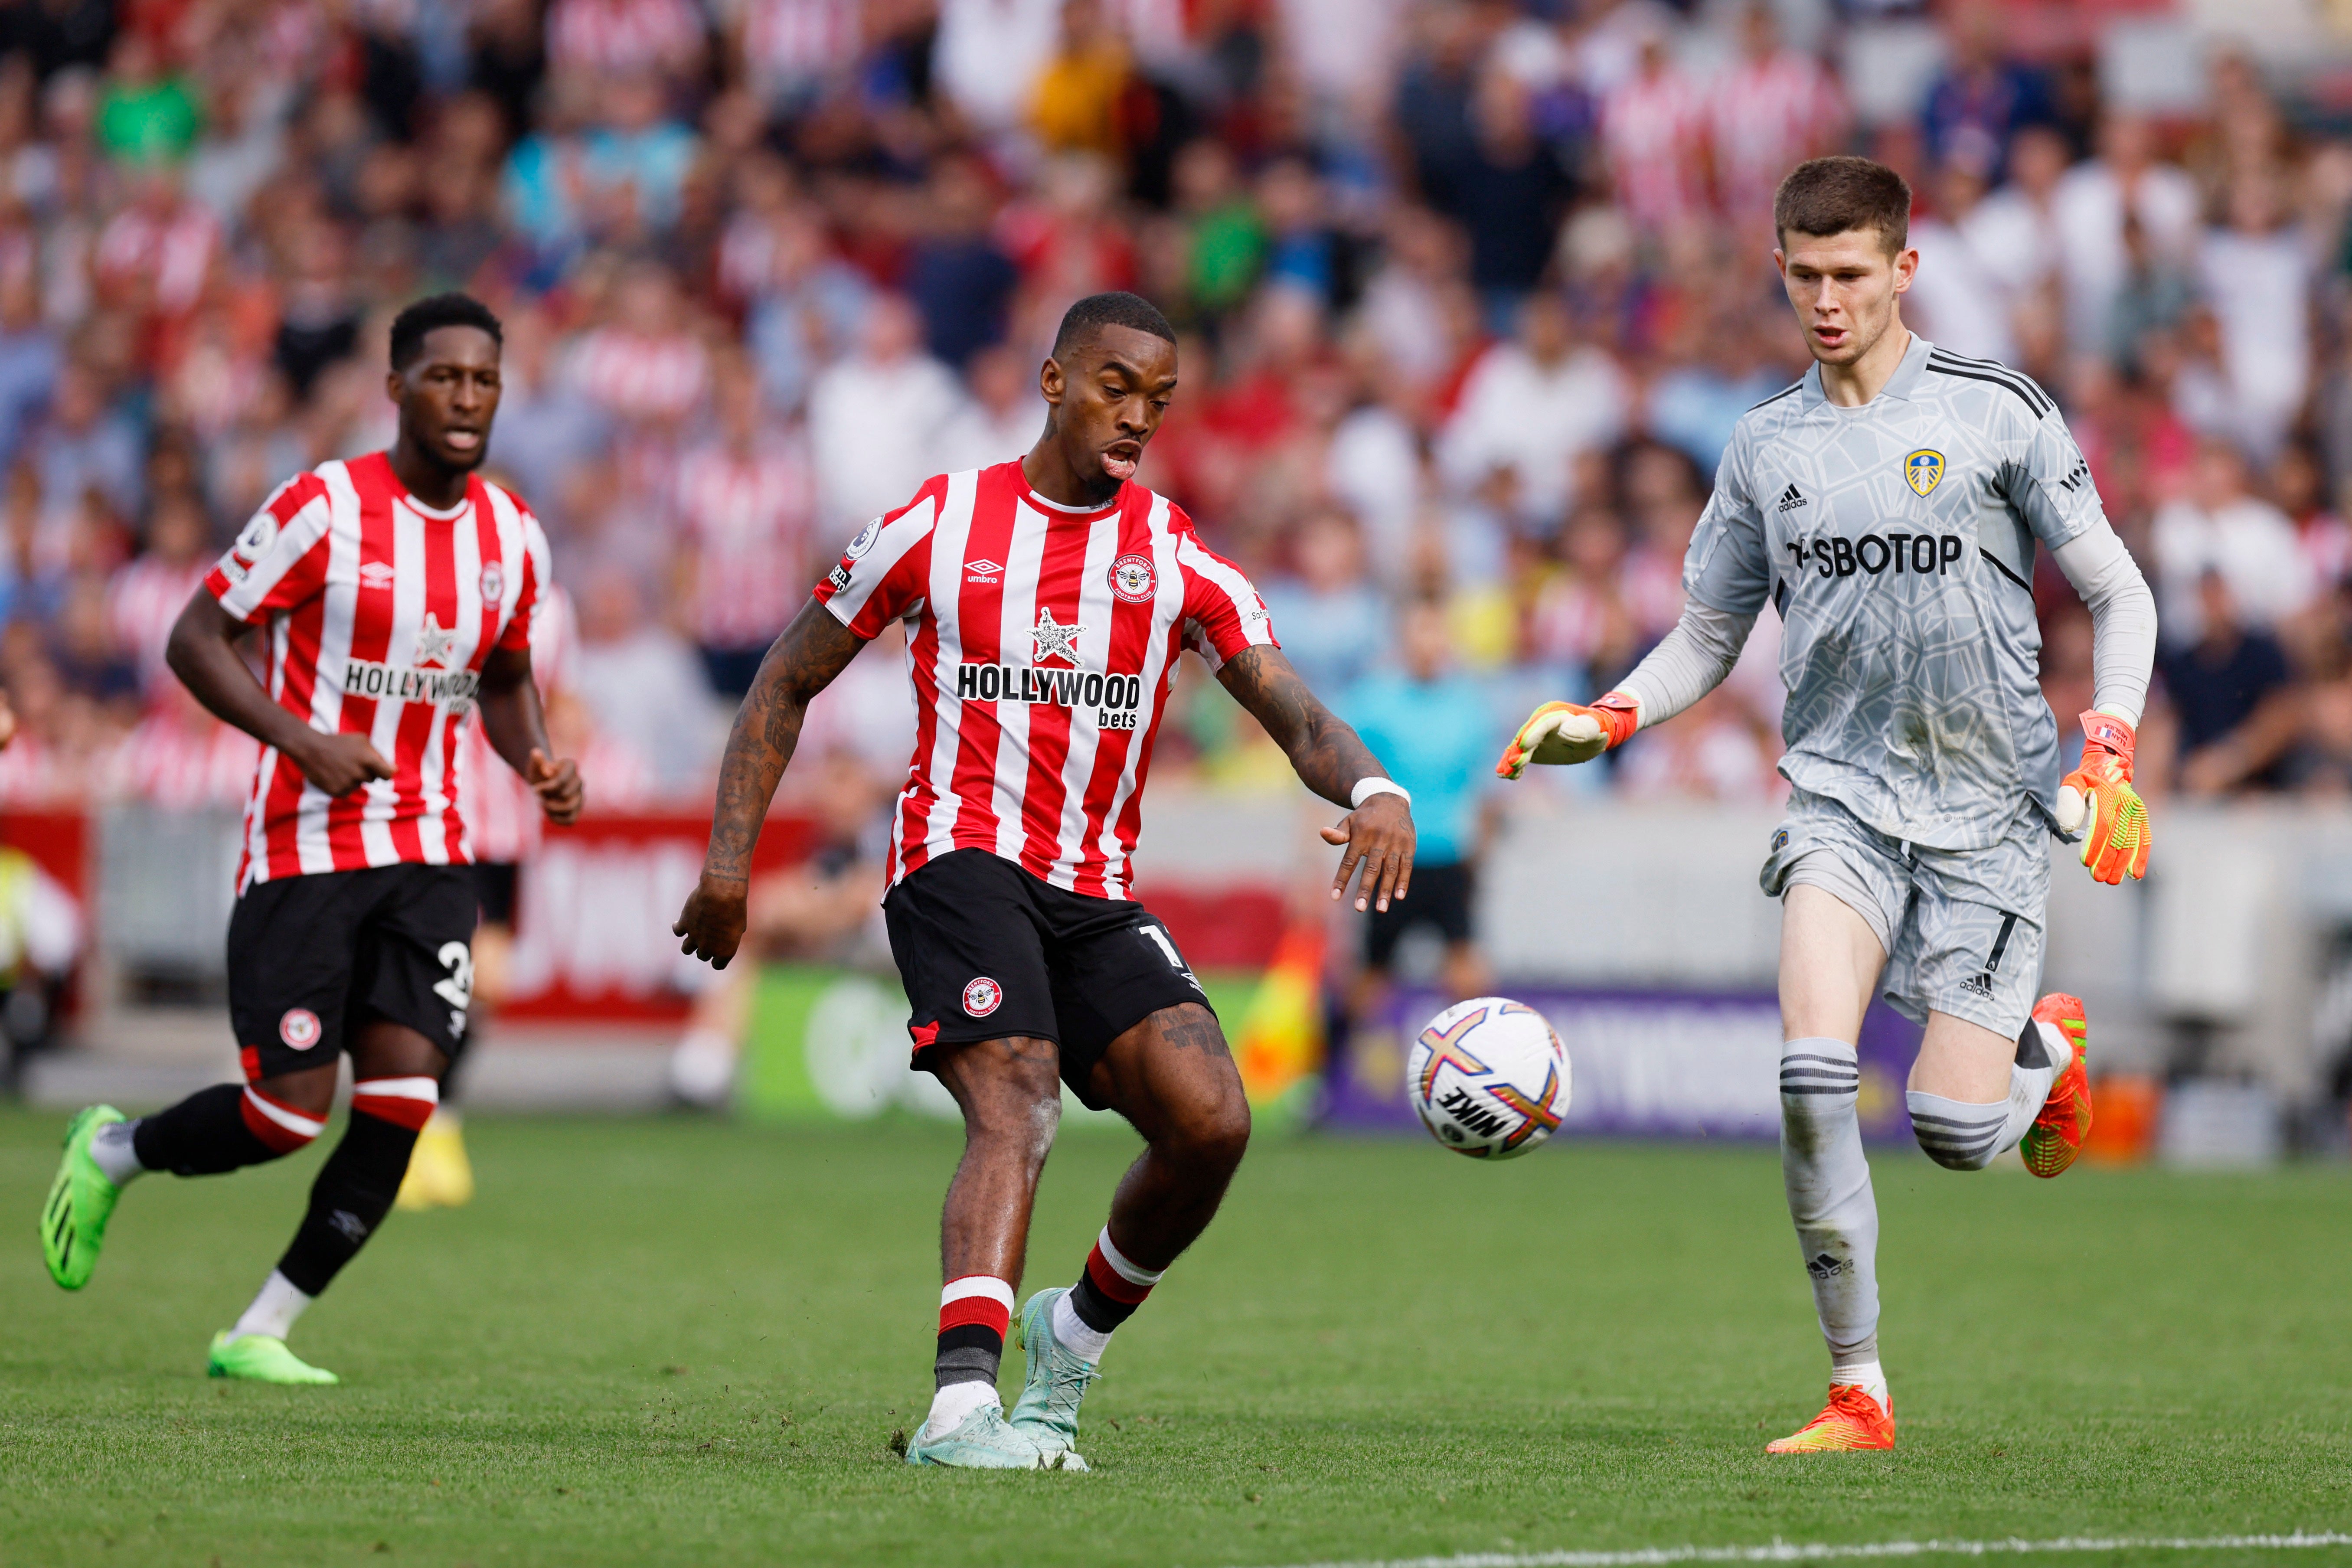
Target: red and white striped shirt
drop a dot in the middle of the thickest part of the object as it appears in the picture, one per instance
(746, 513)
(142, 600)
(504, 821)
(380, 614)
(1765, 117)
(1041, 643)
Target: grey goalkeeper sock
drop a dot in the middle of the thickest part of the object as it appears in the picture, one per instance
(1828, 1180)
(1966, 1136)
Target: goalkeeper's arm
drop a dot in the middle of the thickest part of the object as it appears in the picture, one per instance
(2096, 799)
(1690, 662)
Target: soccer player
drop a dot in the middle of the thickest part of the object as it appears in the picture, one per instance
(394, 593)
(1887, 507)
(1046, 602)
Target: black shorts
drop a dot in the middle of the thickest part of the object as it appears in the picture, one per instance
(494, 891)
(310, 958)
(1440, 899)
(987, 950)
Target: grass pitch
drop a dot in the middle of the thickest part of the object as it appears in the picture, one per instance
(667, 1341)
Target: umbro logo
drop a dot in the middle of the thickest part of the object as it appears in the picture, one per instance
(982, 571)
(377, 574)
(1791, 499)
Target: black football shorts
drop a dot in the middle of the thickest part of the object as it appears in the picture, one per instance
(312, 958)
(987, 951)
(1442, 892)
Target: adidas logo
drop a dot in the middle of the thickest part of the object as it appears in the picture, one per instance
(1791, 499)
(1978, 984)
(1825, 1266)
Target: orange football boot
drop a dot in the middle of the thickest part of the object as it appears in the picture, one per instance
(2058, 1133)
(1852, 1420)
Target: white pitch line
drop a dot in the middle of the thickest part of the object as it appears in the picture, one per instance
(1820, 1551)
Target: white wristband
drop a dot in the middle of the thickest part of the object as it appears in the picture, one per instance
(1367, 788)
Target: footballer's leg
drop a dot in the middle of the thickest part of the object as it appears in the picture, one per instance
(289, 961)
(1995, 1068)
(1831, 956)
(411, 980)
(395, 1074)
(1010, 1091)
(1173, 1078)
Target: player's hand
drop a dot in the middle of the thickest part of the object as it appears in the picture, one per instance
(2097, 800)
(1379, 836)
(1562, 732)
(712, 921)
(340, 763)
(561, 793)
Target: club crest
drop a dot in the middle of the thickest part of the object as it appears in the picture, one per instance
(1133, 579)
(1924, 469)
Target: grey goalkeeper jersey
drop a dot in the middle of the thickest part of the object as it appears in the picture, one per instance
(1897, 540)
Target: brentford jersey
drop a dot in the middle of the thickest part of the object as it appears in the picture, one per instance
(1041, 642)
(379, 613)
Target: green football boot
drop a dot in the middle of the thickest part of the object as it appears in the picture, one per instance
(262, 1359)
(1047, 1410)
(81, 1200)
(983, 1440)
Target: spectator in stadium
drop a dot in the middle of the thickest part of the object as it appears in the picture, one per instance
(874, 416)
(643, 683)
(1533, 404)
(2088, 204)
(1772, 109)
(2232, 698)
(1335, 624)
(2221, 528)
(743, 500)
(958, 278)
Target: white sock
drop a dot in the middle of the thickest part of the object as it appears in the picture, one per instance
(109, 1148)
(702, 1068)
(953, 1403)
(1871, 1376)
(2029, 1086)
(1074, 1332)
(274, 1311)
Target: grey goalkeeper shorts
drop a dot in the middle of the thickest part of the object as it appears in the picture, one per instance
(1961, 929)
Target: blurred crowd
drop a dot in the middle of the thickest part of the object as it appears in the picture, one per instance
(1471, 295)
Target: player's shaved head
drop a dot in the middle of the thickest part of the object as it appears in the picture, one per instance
(1823, 197)
(1083, 321)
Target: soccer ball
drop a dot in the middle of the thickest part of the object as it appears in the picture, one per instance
(1488, 1077)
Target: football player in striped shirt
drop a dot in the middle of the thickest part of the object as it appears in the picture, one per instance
(1888, 507)
(1046, 602)
(395, 593)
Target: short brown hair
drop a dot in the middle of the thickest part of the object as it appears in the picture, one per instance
(1831, 195)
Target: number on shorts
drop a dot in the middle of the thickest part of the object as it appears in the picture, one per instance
(457, 990)
(1159, 939)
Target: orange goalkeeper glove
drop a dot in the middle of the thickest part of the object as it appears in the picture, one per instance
(2098, 798)
(1560, 733)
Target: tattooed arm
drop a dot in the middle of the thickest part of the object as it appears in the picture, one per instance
(803, 662)
(1330, 759)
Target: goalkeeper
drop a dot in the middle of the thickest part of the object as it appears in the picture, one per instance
(1888, 507)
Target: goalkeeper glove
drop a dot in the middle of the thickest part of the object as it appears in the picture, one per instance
(1560, 733)
(2098, 799)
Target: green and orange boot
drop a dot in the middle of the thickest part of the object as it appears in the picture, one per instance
(2058, 1134)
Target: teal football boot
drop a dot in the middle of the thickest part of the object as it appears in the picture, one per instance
(1047, 1410)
